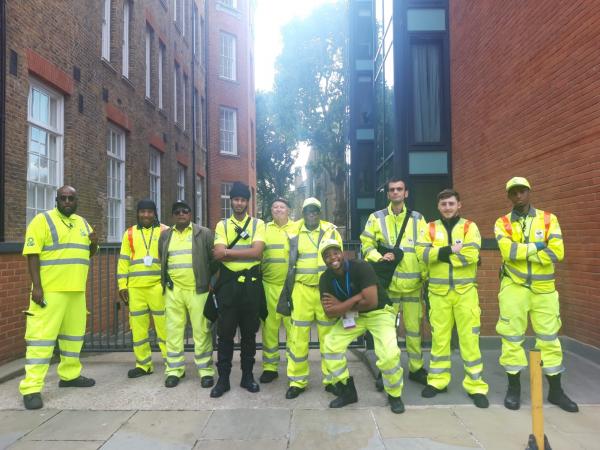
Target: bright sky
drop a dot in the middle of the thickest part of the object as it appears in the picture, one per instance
(270, 16)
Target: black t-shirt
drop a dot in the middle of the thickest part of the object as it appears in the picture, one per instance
(361, 276)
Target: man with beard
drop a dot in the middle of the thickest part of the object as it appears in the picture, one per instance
(391, 235)
(305, 299)
(58, 247)
(239, 244)
(530, 242)
(138, 277)
(274, 269)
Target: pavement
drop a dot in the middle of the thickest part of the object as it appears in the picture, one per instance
(120, 413)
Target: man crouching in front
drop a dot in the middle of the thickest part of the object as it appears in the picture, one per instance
(349, 290)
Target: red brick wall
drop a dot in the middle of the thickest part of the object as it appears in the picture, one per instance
(238, 95)
(525, 87)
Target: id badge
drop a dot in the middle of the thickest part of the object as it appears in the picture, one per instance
(348, 320)
(148, 260)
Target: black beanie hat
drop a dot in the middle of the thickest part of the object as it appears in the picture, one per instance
(148, 204)
(239, 189)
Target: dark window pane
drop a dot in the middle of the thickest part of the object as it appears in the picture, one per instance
(426, 65)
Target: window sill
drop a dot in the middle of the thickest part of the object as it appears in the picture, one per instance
(106, 63)
(127, 82)
(149, 102)
(162, 112)
(229, 155)
(229, 80)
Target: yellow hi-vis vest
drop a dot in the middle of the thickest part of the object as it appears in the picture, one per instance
(179, 258)
(461, 273)
(522, 261)
(131, 269)
(276, 255)
(310, 264)
(382, 228)
(225, 233)
(63, 244)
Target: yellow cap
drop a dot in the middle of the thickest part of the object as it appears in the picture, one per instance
(329, 243)
(311, 201)
(517, 181)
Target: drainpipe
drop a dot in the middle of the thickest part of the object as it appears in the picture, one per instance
(193, 92)
(207, 104)
(2, 112)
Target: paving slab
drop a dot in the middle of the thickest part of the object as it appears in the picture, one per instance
(80, 426)
(439, 426)
(252, 444)
(243, 424)
(57, 445)
(419, 444)
(160, 430)
(16, 424)
(334, 429)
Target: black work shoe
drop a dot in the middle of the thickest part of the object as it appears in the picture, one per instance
(420, 376)
(80, 381)
(333, 389)
(396, 404)
(138, 372)
(33, 401)
(560, 399)
(347, 394)
(480, 400)
(220, 388)
(248, 383)
(293, 392)
(172, 381)
(267, 376)
(512, 400)
(207, 381)
(431, 391)
(379, 383)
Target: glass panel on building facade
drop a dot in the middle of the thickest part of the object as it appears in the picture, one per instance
(426, 88)
(427, 163)
(426, 19)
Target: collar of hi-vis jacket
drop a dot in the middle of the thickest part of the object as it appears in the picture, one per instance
(514, 216)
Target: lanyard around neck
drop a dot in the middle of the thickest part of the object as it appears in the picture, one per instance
(338, 288)
(147, 245)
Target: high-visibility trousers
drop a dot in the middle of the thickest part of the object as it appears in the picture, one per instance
(144, 301)
(381, 324)
(516, 301)
(444, 312)
(63, 318)
(307, 308)
(410, 306)
(178, 304)
(270, 327)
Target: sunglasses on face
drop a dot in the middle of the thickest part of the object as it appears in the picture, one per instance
(181, 211)
(67, 198)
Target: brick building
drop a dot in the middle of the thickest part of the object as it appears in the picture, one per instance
(470, 94)
(230, 101)
(111, 96)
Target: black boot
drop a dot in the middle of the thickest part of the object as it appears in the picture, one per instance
(347, 394)
(379, 383)
(557, 396)
(248, 382)
(221, 387)
(512, 400)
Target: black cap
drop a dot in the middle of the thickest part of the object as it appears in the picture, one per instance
(180, 204)
(239, 189)
(146, 204)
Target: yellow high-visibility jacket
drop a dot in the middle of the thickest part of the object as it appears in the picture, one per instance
(276, 254)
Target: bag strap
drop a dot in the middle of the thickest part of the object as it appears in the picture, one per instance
(399, 238)
(239, 233)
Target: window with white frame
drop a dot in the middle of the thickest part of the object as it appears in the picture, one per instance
(115, 148)
(175, 77)
(106, 31)
(155, 178)
(183, 17)
(226, 211)
(161, 58)
(199, 200)
(126, 16)
(228, 131)
(195, 36)
(148, 61)
(45, 118)
(227, 66)
(184, 101)
(180, 182)
(229, 3)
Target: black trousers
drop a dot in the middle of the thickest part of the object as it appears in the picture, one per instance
(239, 306)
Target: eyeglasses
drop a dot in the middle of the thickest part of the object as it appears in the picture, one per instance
(181, 211)
(67, 198)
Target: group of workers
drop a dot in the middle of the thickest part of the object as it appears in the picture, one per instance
(296, 272)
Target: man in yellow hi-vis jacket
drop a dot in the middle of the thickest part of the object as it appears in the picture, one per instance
(309, 265)
(530, 242)
(58, 247)
(378, 241)
(450, 248)
(138, 277)
(274, 267)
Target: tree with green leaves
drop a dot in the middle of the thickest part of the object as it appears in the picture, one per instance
(310, 86)
(275, 154)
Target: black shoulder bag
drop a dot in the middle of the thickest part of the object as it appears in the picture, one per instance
(385, 269)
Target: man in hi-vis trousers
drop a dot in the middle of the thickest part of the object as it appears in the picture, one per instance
(274, 267)
(138, 277)
(530, 242)
(58, 247)
(185, 257)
